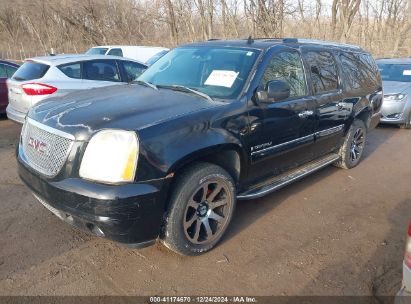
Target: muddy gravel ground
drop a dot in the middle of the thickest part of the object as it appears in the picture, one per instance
(337, 232)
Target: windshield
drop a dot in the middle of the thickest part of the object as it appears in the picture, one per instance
(97, 51)
(395, 72)
(217, 72)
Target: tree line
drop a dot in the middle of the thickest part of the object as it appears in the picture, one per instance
(37, 27)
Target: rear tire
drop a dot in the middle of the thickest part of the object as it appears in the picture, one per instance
(353, 147)
(201, 208)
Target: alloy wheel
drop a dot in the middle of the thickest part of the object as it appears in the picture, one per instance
(207, 212)
(357, 145)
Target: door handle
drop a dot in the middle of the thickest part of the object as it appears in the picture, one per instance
(254, 126)
(305, 114)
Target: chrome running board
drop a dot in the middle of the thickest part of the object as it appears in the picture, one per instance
(287, 178)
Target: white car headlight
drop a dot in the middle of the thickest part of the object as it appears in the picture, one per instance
(394, 97)
(111, 157)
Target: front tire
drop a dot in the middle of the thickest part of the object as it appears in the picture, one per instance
(353, 147)
(201, 208)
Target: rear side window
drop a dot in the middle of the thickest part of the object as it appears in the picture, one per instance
(323, 71)
(31, 70)
(3, 73)
(133, 70)
(115, 52)
(371, 70)
(102, 70)
(72, 70)
(360, 71)
(10, 70)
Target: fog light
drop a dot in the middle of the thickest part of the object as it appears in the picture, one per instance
(396, 115)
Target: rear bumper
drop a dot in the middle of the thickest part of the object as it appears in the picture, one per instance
(405, 290)
(15, 115)
(403, 296)
(130, 214)
(402, 293)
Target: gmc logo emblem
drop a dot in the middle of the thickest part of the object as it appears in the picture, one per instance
(37, 145)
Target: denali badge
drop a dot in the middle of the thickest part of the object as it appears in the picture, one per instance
(37, 144)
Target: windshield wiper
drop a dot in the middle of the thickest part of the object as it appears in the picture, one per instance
(145, 83)
(187, 90)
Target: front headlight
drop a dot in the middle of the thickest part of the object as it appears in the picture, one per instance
(111, 157)
(394, 97)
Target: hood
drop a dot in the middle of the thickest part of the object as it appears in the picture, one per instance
(396, 87)
(129, 107)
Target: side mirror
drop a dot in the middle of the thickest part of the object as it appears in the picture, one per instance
(275, 90)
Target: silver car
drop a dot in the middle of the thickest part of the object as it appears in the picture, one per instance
(396, 76)
(41, 77)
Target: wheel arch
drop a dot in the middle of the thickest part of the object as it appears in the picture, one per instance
(228, 156)
(365, 116)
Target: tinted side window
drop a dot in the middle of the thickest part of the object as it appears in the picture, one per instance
(72, 70)
(288, 67)
(352, 75)
(133, 70)
(323, 71)
(10, 70)
(3, 73)
(115, 52)
(360, 71)
(371, 70)
(103, 70)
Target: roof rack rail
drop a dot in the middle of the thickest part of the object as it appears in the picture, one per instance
(321, 42)
(266, 38)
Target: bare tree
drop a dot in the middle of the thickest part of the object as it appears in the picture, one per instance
(29, 28)
(346, 11)
(172, 21)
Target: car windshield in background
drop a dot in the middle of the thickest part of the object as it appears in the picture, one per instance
(97, 51)
(395, 72)
(217, 72)
(156, 57)
(30, 70)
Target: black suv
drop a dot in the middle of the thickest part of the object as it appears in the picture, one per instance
(209, 123)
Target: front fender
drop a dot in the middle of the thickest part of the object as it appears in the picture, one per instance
(168, 147)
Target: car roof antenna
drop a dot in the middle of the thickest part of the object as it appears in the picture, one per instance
(250, 40)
